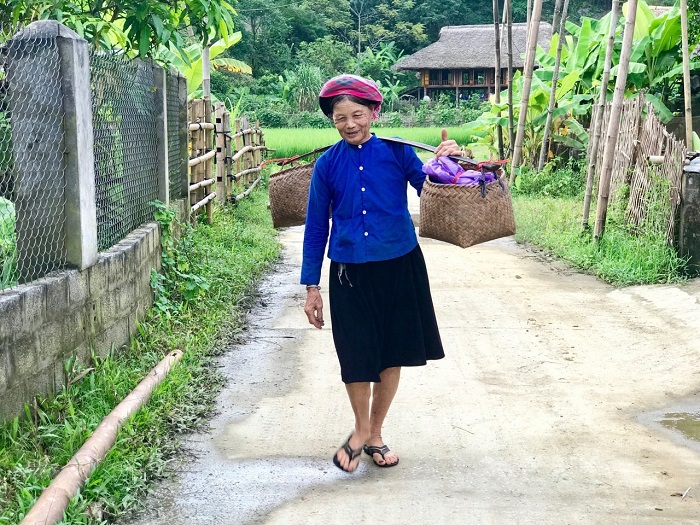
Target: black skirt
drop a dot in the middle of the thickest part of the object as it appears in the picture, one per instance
(383, 316)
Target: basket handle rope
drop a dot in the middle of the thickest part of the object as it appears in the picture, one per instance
(488, 165)
(295, 158)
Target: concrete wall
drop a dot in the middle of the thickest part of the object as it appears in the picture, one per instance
(73, 313)
(51, 319)
(95, 306)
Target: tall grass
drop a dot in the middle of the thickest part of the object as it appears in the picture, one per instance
(288, 142)
(228, 257)
(621, 257)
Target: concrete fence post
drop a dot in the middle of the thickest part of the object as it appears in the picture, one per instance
(184, 137)
(79, 158)
(163, 169)
(689, 227)
(49, 83)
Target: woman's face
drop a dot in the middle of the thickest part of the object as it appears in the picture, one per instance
(352, 121)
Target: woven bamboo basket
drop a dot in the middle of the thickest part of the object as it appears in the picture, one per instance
(464, 215)
(289, 193)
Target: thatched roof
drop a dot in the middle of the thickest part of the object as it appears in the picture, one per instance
(659, 10)
(467, 47)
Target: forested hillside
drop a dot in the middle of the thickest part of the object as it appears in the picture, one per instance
(277, 34)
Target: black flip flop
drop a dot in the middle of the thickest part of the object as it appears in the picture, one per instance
(382, 451)
(352, 454)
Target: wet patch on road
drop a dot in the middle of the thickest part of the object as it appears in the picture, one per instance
(681, 422)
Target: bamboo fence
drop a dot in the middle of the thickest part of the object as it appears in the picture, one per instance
(223, 165)
(626, 142)
(658, 168)
(649, 160)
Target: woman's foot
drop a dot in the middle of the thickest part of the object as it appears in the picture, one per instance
(380, 453)
(347, 457)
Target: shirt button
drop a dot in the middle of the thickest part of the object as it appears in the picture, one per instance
(359, 146)
(361, 168)
(364, 212)
(366, 234)
(363, 189)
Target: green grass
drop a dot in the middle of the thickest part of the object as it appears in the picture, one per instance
(288, 142)
(620, 258)
(220, 264)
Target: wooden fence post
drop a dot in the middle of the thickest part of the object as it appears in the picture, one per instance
(221, 182)
(230, 183)
(238, 142)
(208, 145)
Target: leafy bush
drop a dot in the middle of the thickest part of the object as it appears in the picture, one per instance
(390, 119)
(307, 119)
(565, 181)
(270, 118)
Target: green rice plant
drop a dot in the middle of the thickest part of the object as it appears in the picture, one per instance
(288, 142)
(232, 254)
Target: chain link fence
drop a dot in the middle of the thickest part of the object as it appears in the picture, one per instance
(35, 128)
(175, 160)
(32, 181)
(125, 133)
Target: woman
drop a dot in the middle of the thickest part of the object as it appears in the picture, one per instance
(380, 303)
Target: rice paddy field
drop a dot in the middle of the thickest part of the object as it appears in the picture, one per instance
(288, 142)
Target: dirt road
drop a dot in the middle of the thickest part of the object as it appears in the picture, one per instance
(542, 412)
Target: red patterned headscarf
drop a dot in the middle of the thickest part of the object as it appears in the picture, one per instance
(349, 85)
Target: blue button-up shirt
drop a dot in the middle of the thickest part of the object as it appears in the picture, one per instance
(365, 187)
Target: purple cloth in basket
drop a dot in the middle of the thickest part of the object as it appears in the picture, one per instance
(446, 171)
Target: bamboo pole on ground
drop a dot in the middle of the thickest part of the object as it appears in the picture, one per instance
(614, 124)
(527, 85)
(497, 80)
(54, 500)
(511, 117)
(686, 76)
(544, 150)
(597, 130)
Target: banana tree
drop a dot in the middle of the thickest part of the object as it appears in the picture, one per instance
(655, 67)
(188, 61)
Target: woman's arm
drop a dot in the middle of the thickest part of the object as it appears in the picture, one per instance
(317, 225)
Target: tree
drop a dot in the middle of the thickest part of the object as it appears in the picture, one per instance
(508, 7)
(497, 69)
(332, 56)
(265, 32)
(394, 21)
(597, 130)
(529, 65)
(558, 12)
(135, 26)
(614, 123)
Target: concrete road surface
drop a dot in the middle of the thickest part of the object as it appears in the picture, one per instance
(545, 411)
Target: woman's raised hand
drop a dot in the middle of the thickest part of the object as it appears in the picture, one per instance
(447, 147)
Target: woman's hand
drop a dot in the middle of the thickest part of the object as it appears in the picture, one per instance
(314, 307)
(447, 147)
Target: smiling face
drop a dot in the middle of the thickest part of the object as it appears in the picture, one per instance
(352, 121)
